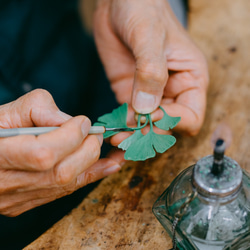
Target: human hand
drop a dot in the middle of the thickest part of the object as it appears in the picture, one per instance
(148, 56)
(36, 170)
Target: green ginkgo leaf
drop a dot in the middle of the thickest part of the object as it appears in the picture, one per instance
(167, 121)
(140, 150)
(134, 137)
(144, 147)
(116, 119)
(140, 147)
(161, 143)
(124, 145)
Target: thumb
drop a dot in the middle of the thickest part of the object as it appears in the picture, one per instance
(150, 79)
(36, 108)
(151, 75)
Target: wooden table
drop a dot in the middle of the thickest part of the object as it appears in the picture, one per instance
(117, 214)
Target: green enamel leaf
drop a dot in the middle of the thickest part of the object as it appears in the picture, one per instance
(161, 143)
(141, 149)
(167, 121)
(130, 140)
(134, 137)
(116, 119)
(144, 147)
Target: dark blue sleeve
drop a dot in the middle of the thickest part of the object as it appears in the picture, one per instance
(43, 45)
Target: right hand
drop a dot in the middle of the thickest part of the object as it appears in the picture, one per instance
(35, 170)
(150, 60)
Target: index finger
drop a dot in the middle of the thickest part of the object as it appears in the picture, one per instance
(190, 106)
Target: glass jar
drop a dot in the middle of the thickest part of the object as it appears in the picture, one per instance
(208, 210)
(241, 243)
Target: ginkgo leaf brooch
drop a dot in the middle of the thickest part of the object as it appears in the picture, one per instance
(140, 147)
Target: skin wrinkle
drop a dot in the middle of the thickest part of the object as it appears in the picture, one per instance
(14, 211)
(192, 111)
(175, 91)
(14, 185)
(66, 171)
(158, 78)
(121, 78)
(37, 195)
(184, 91)
(131, 36)
(5, 120)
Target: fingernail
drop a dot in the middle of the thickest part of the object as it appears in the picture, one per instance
(144, 102)
(64, 115)
(85, 126)
(142, 120)
(111, 170)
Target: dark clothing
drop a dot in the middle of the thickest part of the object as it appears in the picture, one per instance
(43, 45)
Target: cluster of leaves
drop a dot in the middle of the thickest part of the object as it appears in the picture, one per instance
(140, 147)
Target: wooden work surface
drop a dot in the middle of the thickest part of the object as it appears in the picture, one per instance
(117, 214)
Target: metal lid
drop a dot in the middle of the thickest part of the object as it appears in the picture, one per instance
(217, 186)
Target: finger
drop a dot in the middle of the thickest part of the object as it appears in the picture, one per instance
(147, 40)
(44, 151)
(117, 155)
(63, 173)
(118, 138)
(190, 106)
(135, 41)
(18, 199)
(179, 82)
(17, 203)
(151, 66)
(99, 170)
(16, 210)
(79, 161)
(12, 181)
(35, 108)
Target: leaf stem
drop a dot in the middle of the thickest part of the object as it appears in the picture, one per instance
(139, 122)
(150, 122)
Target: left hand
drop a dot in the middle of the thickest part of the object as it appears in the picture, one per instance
(151, 61)
(35, 170)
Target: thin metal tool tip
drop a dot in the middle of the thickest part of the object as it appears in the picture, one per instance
(120, 129)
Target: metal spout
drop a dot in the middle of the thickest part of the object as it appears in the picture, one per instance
(219, 150)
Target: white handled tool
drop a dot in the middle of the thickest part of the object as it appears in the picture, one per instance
(42, 130)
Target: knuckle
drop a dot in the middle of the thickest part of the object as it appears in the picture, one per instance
(195, 129)
(63, 176)
(42, 158)
(89, 177)
(40, 94)
(95, 150)
(153, 72)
